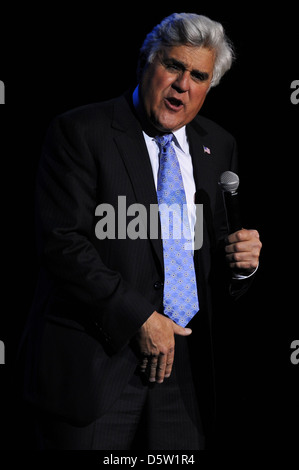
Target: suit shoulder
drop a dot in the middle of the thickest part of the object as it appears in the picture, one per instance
(84, 121)
(89, 112)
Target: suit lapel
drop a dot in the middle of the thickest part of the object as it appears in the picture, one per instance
(196, 136)
(204, 171)
(203, 176)
(132, 148)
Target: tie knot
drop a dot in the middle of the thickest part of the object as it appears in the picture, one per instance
(164, 141)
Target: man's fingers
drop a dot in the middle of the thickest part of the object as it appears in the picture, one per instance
(169, 364)
(239, 247)
(144, 363)
(161, 367)
(153, 368)
(243, 250)
(180, 330)
(242, 236)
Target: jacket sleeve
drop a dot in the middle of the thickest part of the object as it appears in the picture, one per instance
(65, 208)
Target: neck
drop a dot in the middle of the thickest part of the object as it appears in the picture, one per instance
(147, 126)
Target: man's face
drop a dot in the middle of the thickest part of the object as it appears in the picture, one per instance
(174, 86)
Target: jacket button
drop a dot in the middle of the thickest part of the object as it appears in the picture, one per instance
(158, 285)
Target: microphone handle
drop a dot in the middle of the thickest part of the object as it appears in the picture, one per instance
(231, 202)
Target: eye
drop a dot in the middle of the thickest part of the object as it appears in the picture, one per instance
(172, 66)
(199, 76)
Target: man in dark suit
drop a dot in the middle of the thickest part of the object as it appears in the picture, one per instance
(103, 359)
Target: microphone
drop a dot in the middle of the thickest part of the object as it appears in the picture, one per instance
(229, 183)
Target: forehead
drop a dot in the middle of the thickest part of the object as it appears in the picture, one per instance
(192, 57)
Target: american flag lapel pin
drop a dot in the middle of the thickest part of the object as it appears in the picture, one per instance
(206, 150)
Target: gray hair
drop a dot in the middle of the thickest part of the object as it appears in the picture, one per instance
(188, 28)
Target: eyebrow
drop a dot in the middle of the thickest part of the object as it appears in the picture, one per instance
(181, 65)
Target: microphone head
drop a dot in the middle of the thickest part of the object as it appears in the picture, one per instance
(229, 181)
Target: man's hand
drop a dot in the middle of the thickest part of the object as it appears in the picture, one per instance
(243, 250)
(157, 344)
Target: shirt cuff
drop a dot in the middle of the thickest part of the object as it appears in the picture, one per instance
(242, 276)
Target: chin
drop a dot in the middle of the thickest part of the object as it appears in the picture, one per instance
(165, 126)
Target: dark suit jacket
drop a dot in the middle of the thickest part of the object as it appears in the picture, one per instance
(93, 295)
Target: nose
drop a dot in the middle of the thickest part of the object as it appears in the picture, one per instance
(182, 82)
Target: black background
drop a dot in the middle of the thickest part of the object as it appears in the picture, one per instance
(55, 58)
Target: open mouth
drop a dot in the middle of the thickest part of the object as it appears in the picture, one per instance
(174, 103)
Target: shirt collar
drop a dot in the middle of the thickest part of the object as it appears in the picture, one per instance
(181, 139)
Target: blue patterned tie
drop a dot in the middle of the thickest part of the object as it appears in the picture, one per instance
(180, 292)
